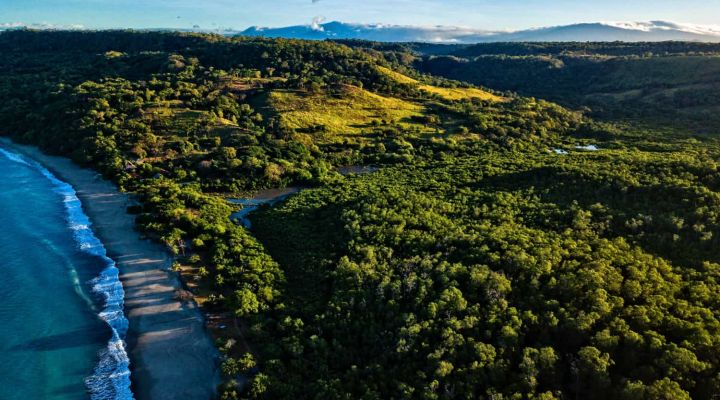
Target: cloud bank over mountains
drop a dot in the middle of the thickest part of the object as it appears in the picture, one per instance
(599, 31)
(318, 29)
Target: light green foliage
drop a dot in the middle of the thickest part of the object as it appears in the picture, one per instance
(350, 111)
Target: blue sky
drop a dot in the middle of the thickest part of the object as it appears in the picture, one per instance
(239, 14)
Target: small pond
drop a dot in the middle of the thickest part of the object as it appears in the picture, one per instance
(589, 147)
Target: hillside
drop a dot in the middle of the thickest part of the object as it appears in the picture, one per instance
(660, 84)
(495, 246)
(350, 111)
(446, 93)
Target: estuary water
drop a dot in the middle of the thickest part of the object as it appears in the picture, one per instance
(61, 303)
(269, 196)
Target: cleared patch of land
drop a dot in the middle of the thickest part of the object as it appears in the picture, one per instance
(351, 112)
(445, 93)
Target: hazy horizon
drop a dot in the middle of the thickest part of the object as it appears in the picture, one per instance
(238, 15)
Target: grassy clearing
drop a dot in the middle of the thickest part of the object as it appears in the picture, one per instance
(178, 121)
(237, 85)
(445, 93)
(398, 77)
(351, 112)
(461, 93)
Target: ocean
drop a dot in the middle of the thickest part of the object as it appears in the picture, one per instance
(61, 302)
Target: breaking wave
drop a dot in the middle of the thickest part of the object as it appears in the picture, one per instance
(111, 376)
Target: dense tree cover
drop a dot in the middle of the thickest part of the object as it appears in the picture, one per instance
(542, 48)
(488, 258)
(587, 48)
(667, 83)
(485, 274)
(162, 104)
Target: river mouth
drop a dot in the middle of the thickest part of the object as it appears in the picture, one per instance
(264, 197)
(273, 196)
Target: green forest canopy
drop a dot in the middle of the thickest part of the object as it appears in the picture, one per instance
(494, 255)
(657, 84)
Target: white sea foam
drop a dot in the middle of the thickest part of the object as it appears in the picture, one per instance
(13, 157)
(111, 376)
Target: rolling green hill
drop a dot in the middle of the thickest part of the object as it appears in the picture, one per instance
(447, 93)
(659, 84)
(350, 111)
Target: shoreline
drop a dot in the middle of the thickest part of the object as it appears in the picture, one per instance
(171, 353)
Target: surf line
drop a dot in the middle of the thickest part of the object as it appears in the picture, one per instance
(110, 379)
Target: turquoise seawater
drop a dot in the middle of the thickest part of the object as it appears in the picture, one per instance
(61, 303)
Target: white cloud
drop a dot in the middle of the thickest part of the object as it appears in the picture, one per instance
(651, 26)
(630, 31)
(316, 24)
(41, 25)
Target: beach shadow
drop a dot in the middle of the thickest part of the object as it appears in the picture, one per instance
(130, 283)
(187, 348)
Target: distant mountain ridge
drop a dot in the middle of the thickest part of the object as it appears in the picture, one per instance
(652, 31)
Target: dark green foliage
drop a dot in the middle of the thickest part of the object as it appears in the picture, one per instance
(663, 84)
(478, 263)
(504, 275)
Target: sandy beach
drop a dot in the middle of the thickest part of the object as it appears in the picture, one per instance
(171, 353)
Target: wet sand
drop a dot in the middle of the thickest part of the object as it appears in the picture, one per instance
(171, 353)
